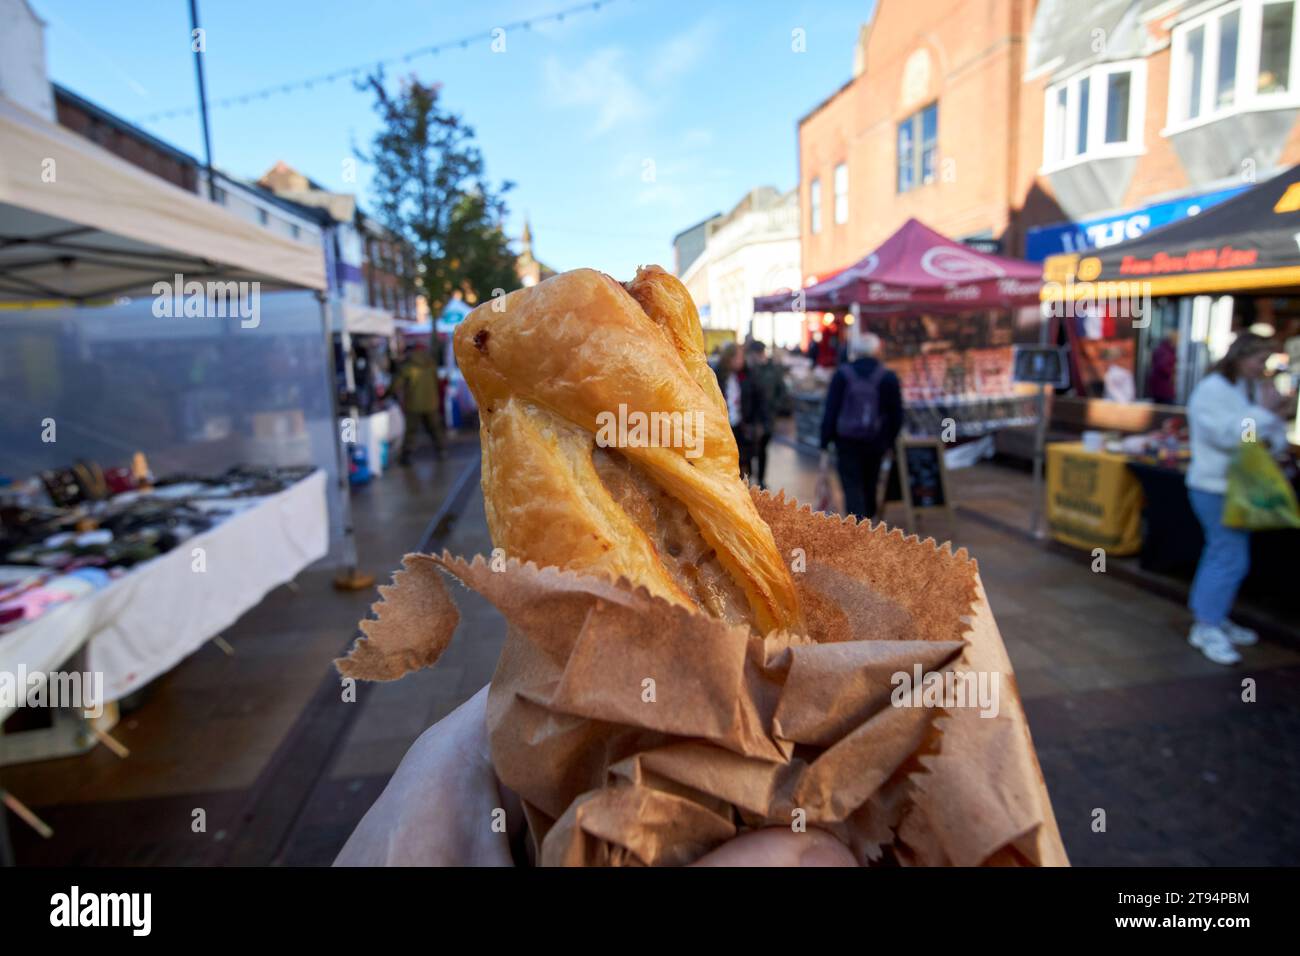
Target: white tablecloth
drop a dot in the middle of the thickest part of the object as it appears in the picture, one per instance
(145, 622)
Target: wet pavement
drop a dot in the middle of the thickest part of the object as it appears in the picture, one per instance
(1126, 717)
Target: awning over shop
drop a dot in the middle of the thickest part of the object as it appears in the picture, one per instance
(363, 320)
(76, 222)
(917, 268)
(1251, 241)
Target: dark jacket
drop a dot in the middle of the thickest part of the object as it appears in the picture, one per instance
(891, 404)
(753, 410)
(770, 377)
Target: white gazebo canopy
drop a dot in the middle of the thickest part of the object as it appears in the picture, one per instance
(77, 222)
(357, 319)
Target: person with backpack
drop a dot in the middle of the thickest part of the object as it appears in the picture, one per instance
(862, 418)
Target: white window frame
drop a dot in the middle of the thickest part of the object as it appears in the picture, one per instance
(815, 205)
(1098, 79)
(914, 122)
(841, 196)
(1246, 98)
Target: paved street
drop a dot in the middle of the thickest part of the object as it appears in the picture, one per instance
(1126, 717)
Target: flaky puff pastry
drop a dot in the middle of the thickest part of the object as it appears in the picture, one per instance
(549, 366)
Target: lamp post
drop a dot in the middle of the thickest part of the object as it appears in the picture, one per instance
(198, 48)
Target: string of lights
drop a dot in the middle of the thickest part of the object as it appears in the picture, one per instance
(355, 72)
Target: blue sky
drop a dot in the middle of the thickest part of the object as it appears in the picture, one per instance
(619, 127)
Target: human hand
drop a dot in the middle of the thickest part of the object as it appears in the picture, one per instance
(780, 846)
(1271, 399)
(439, 807)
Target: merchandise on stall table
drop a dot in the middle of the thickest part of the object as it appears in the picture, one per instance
(688, 658)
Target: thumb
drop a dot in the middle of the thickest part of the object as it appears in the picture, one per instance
(780, 847)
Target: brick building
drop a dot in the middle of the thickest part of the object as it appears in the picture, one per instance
(1043, 124)
(389, 271)
(372, 266)
(130, 143)
(1037, 127)
(1140, 113)
(926, 128)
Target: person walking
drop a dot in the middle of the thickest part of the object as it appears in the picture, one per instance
(418, 391)
(769, 375)
(1232, 402)
(744, 398)
(862, 419)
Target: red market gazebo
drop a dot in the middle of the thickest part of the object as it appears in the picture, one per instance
(918, 269)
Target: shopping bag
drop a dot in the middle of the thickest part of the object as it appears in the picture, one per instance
(1259, 497)
(824, 493)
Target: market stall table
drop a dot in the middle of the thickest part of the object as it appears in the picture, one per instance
(1093, 499)
(1172, 538)
(145, 622)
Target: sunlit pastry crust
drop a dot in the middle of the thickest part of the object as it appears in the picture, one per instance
(543, 364)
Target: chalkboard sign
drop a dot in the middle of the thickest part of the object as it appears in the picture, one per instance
(919, 478)
(924, 480)
(1040, 365)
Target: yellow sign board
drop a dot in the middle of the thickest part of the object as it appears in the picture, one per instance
(1093, 499)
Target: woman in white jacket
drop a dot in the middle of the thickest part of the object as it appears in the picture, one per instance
(1230, 405)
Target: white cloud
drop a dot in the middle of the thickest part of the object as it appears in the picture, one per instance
(599, 83)
(606, 83)
(697, 138)
(682, 53)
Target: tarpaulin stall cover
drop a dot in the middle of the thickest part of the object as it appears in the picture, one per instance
(357, 319)
(84, 239)
(78, 223)
(1247, 242)
(917, 268)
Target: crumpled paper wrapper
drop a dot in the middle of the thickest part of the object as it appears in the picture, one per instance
(640, 733)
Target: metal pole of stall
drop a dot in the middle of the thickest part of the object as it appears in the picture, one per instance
(6, 847)
(1040, 437)
(203, 96)
(350, 578)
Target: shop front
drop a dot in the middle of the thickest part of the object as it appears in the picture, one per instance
(1100, 232)
(1145, 320)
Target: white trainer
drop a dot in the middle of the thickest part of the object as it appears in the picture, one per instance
(1214, 643)
(1241, 636)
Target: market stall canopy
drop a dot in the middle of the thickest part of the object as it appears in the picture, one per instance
(1251, 241)
(76, 222)
(359, 319)
(453, 314)
(917, 268)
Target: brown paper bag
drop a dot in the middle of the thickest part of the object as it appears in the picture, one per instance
(636, 732)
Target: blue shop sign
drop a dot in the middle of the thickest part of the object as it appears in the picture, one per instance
(1044, 241)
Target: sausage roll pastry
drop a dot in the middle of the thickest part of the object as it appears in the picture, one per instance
(607, 447)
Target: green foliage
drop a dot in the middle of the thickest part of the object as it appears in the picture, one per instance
(433, 192)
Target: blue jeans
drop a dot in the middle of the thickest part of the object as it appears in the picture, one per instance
(1224, 562)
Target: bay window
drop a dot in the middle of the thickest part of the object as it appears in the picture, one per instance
(1277, 36)
(1095, 114)
(1235, 58)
